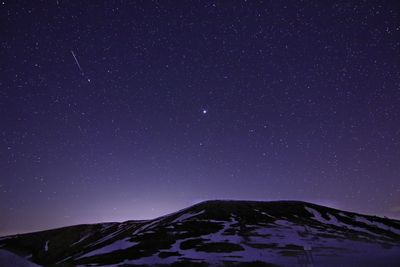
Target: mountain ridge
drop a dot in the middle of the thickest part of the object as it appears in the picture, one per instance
(201, 203)
(216, 232)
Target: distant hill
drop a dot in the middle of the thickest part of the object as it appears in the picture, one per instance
(221, 233)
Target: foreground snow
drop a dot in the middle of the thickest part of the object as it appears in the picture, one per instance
(8, 259)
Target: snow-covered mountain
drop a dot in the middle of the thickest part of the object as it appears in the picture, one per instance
(222, 233)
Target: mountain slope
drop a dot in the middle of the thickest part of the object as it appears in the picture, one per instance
(280, 233)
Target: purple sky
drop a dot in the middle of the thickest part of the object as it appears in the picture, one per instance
(129, 110)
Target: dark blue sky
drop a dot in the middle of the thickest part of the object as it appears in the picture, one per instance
(169, 103)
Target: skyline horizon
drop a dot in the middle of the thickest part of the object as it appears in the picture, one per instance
(328, 204)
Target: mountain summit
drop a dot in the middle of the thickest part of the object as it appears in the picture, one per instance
(221, 233)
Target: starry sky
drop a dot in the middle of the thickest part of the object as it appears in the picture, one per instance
(122, 110)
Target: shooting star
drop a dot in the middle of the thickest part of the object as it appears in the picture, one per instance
(77, 62)
(79, 66)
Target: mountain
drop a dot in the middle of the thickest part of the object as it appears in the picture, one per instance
(221, 233)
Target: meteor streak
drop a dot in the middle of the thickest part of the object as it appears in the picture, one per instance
(79, 66)
(77, 62)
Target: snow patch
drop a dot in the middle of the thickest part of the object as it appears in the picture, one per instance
(377, 225)
(121, 229)
(334, 221)
(8, 259)
(81, 239)
(118, 245)
(187, 216)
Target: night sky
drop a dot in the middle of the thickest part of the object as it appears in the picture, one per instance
(124, 110)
